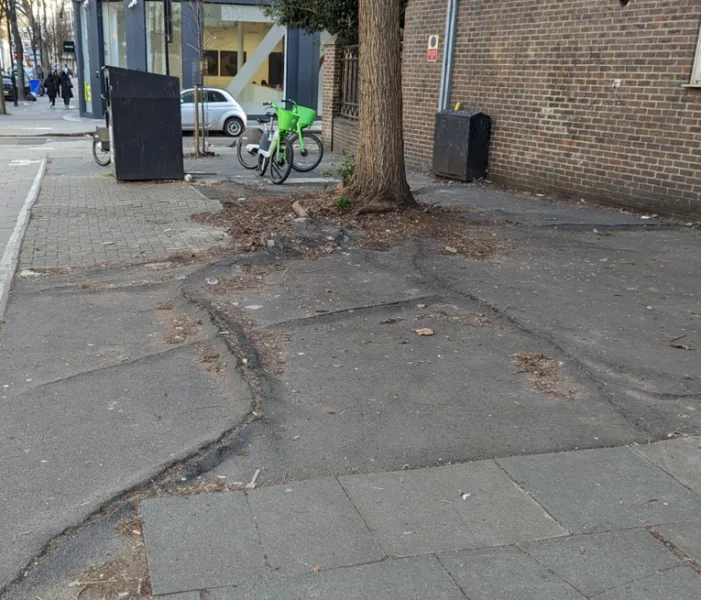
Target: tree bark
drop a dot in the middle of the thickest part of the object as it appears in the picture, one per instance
(379, 181)
(19, 49)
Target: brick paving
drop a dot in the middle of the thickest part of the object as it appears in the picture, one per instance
(91, 220)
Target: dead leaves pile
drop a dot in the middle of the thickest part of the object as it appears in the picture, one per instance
(545, 373)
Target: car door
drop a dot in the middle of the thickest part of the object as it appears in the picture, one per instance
(218, 110)
(187, 109)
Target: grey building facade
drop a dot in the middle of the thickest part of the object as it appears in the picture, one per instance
(230, 45)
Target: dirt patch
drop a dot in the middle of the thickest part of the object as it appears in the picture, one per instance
(253, 220)
(182, 328)
(119, 578)
(89, 286)
(206, 485)
(545, 373)
(168, 305)
(269, 344)
(211, 360)
(252, 276)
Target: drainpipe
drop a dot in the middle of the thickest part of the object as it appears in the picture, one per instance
(451, 22)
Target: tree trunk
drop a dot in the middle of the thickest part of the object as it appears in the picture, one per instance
(19, 49)
(379, 181)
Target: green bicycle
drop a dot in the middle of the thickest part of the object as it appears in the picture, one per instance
(307, 148)
(273, 150)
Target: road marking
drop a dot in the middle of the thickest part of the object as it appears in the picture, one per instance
(8, 262)
(23, 162)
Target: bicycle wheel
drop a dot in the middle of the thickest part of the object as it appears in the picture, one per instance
(101, 157)
(312, 155)
(281, 164)
(262, 166)
(247, 148)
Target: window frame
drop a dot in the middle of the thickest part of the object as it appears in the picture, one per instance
(695, 79)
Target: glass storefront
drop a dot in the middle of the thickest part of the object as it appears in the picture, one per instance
(156, 41)
(243, 53)
(231, 46)
(114, 34)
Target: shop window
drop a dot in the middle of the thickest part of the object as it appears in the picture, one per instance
(276, 69)
(114, 34)
(211, 63)
(229, 63)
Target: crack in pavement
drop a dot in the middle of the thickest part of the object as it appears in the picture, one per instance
(582, 365)
(332, 314)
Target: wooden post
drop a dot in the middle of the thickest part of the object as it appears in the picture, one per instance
(197, 120)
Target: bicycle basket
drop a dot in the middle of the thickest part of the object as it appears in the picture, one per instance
(307, 116)
(286, 119)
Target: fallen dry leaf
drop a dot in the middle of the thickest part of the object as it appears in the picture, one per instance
(316, 569)
(388, 321)
(424, 331)
(681, 346)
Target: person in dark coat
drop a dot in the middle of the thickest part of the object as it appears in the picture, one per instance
(65, 83)
(52, 86)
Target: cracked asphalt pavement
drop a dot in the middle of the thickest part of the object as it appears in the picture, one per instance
(98, 400)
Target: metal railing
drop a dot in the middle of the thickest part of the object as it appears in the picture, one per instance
(349, 82)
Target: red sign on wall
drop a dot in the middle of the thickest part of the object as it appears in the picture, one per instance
(432, 52)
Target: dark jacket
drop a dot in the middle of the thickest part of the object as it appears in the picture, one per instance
(65, 82)
(51, 85)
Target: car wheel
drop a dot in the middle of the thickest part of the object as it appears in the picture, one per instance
(233, 127)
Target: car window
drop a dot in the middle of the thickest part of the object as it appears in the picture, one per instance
(213, 96)
(188, 97)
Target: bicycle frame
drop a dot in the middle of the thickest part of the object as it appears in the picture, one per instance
(298, 128)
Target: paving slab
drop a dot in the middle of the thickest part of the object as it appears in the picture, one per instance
(505, 574)
(418, 512)
(680, 583)
(595, 563)
(311, 524)
(685, 536)
(680, 457)
(92, 220)
(603, 489)
(202, 541)
(70, 446)
(418, 578)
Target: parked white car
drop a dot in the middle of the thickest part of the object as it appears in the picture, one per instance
(221, 111)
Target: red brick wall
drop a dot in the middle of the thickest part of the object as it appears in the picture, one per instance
(345, 135)
(331, 89)
(545, 72)
(421, 79)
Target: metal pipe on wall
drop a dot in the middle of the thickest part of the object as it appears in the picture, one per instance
(451, 22)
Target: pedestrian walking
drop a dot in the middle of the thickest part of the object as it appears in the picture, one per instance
(51, 85)
(65, 83)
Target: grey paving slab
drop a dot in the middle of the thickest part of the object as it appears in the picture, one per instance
(680, 583)
(505, 574)
(86, 220)
(685, 536)
(419, 578)
(202, 541)
(603, 489)
(184, 596)
(417, 512)
(598, 562)
(680, 457)
(311, 524)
